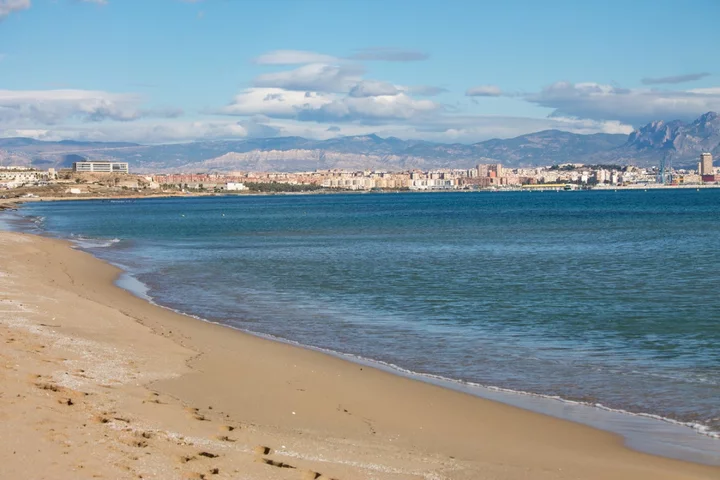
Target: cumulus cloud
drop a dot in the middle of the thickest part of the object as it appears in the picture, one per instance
(293, 57)
(321, 107)
(10, 6)
(273, 102)
(629, 106)
(372, 109)
(439, 127)
(317, 77)
(389, 54)
(139, 132)
(484, 91)
(50, 107)
(690, 77)
(373, 88)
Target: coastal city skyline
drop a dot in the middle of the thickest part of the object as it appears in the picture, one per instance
(453, 72)
(113, 178)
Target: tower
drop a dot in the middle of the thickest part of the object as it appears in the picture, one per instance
(706, 164)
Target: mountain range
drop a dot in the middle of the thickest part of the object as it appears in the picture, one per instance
(675, 141)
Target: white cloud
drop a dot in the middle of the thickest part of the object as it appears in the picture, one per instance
(630, 106)
(381, 108)
(314, 106)
(98, 2)
(484, 91)
(317, 77)
(373, 88)
(293, 57)
(140, 132)
(706, 91)
(274, 102)
(10, 6)
(50, 107)
(440, 128)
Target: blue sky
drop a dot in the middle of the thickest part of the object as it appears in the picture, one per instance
(177, 70)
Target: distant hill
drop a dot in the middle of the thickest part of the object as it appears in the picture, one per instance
(677, 141)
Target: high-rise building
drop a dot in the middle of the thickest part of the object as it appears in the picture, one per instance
(706, 164)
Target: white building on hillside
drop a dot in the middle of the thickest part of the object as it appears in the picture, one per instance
(101, 167)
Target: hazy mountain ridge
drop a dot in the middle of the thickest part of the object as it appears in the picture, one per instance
(678, 141)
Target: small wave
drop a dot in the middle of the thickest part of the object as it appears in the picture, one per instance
(86, 242)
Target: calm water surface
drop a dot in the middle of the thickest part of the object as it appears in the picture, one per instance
(608, 298)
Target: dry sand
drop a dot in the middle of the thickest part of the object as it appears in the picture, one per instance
(96, 383)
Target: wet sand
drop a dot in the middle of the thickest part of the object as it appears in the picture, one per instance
(97, 383)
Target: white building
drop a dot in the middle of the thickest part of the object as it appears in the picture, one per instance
(17, 178)
(101, 167)
(235, 187)
(431, 184)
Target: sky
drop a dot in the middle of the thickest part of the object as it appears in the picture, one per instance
(160, 71)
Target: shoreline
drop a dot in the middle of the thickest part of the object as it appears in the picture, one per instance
(470, 429)
(641, 431)
(636, 429)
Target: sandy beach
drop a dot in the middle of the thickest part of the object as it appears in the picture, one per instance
(97, 383)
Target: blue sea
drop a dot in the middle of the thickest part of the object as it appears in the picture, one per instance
(582, 305)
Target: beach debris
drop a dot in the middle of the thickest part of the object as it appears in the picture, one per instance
(208, 455)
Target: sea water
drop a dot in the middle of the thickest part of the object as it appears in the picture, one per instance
(604, 301)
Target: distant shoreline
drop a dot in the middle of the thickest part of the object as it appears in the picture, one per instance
(10, 203)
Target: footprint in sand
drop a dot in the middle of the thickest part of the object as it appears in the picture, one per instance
(208, 455)
(195, 412)
(273, 463)
(261, 450)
